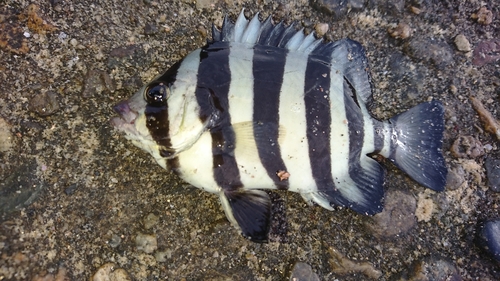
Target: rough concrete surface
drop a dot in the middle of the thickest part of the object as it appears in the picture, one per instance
(79, 202)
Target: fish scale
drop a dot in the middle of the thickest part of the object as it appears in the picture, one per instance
(263, 106)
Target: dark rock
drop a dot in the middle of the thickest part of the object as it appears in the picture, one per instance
(432, 51)
(455, 177)
(125, 51)
(493, 173)
(303, 272)
(489, 238)
(96, 82)
(19, 189)
(150, 29)
(398, 216)
(44, 104)
(338, 8)
(487, 51)
(71, 189)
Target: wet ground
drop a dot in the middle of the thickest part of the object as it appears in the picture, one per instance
(78, 201)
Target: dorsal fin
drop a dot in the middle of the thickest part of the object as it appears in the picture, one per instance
(347, 55)
(264, 33)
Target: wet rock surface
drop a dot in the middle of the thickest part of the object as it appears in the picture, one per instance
(493, 173)
(489, 238)
(80, 202)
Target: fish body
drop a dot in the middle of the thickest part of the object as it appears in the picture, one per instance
(262, 106)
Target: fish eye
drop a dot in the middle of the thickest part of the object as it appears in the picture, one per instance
(156, 94)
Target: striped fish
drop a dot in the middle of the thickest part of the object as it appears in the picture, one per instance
(263, 106)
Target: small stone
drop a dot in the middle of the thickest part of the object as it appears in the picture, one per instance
(96, 82)
(486, 51)
(6, 137)
(493, 173)
(71, 189)
(467, 147)
(150, 29)
(484, 16)
(44, 104)
(114, 241)
(462, 43)
(397, 217)
(151, 220)
(489, 238)
(303, 271)
(434, 51)
(110, 272)
(402, 31)
(146, 243)
(321, 29)
(455, 178)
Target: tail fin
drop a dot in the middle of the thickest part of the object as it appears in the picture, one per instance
(416, 144)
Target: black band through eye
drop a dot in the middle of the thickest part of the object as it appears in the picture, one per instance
(156, 94)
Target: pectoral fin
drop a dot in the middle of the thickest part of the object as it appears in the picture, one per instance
(250, 210)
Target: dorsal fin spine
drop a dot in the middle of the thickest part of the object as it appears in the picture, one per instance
(252, 31)
(240, 26)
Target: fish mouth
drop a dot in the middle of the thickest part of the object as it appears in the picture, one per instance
(125, 122)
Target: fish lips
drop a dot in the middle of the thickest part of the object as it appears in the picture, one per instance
(126, 119)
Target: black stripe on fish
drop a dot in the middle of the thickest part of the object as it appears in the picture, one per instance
(318, 119)
(157, 116)
(214, 77)
(369, 176)
(269, 73)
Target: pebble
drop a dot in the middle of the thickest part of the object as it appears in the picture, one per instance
(6, 137)
(70, 190)
(150, 29)
(486, 51)
(114, 241)
(432, 268)
(44, 104)
(397, 217)
(96, 82)
(462, 43)
(146, 243)
(467, 147)
(110, 272)
(489, 238)
(493, 173)
(455, 177)
(433, 51)
(484, 16)
(402, 31)
(321, 29)
(151, 220)
(303, 272)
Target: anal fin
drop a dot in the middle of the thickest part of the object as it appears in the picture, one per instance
(250, 210)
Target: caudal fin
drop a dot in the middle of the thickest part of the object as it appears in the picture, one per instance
(416, 144)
